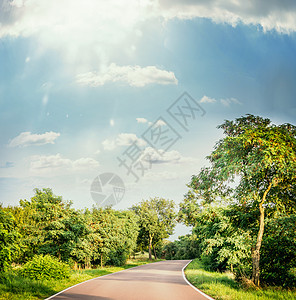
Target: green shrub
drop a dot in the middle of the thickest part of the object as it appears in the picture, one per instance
(117, 257)
(45, 267)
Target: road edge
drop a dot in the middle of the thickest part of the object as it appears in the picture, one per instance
(189, 283)
(70, 287)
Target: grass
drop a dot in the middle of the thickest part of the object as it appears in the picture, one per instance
(14, 287)
(222, 286)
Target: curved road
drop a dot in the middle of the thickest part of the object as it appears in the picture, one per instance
(156, 281)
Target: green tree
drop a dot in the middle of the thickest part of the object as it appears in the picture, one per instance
(156, 221)
(186, 247)
(114, 234)
(8, 239)
(255, 165)
(50, 226)
(222, 245)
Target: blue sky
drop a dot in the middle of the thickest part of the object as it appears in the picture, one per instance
(81, 81)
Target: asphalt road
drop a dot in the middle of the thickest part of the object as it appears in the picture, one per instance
(156, 281)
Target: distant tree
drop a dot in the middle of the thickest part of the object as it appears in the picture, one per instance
(114, 234)
(156, 220)
(254, 165)
(186, 247)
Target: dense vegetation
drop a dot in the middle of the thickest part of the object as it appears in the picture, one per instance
(48, 225)
(242, 209)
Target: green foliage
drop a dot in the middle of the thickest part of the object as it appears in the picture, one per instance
(222, 286)
(189, 209)
(187, 247)
(254, 165)
(8, 239)
(49, 225)
(222, 246)
(254, 153)
(278, 255)
(45, 267)
(114, 235)
(156, 221)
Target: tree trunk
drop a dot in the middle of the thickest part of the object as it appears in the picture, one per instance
(256, 250)
(150, 246)
(101, 260)
(59, 254)
(154, 253)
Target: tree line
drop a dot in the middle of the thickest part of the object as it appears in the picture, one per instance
(242, 209)
(47, 224)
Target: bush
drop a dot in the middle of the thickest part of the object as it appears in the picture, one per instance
(45, 267)
(117, 258)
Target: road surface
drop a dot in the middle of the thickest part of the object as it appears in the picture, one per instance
(156, 281)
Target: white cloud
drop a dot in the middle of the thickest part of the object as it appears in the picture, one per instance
(229, 101)
(92, 33)
(206, 99)
(27, 59)
(53, 163)
(85, 32)
(126, 139)
(123, 139)
(28, 139)
(225, 102)
(141, 120)
(53, 22)
(270, 14)
(157, 124)
(132, 75)
(164, 157)
(85, 163)
(112, 122)
(160, 123)
(42, 162)
(109, 144)
(17, 3)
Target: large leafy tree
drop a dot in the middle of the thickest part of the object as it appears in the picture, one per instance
(49, 225)
(156, 221)
(255, 165)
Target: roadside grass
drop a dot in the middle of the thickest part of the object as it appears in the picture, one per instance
(222, 286)
(15, 287)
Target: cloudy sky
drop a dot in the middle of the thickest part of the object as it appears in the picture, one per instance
(92, 87)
